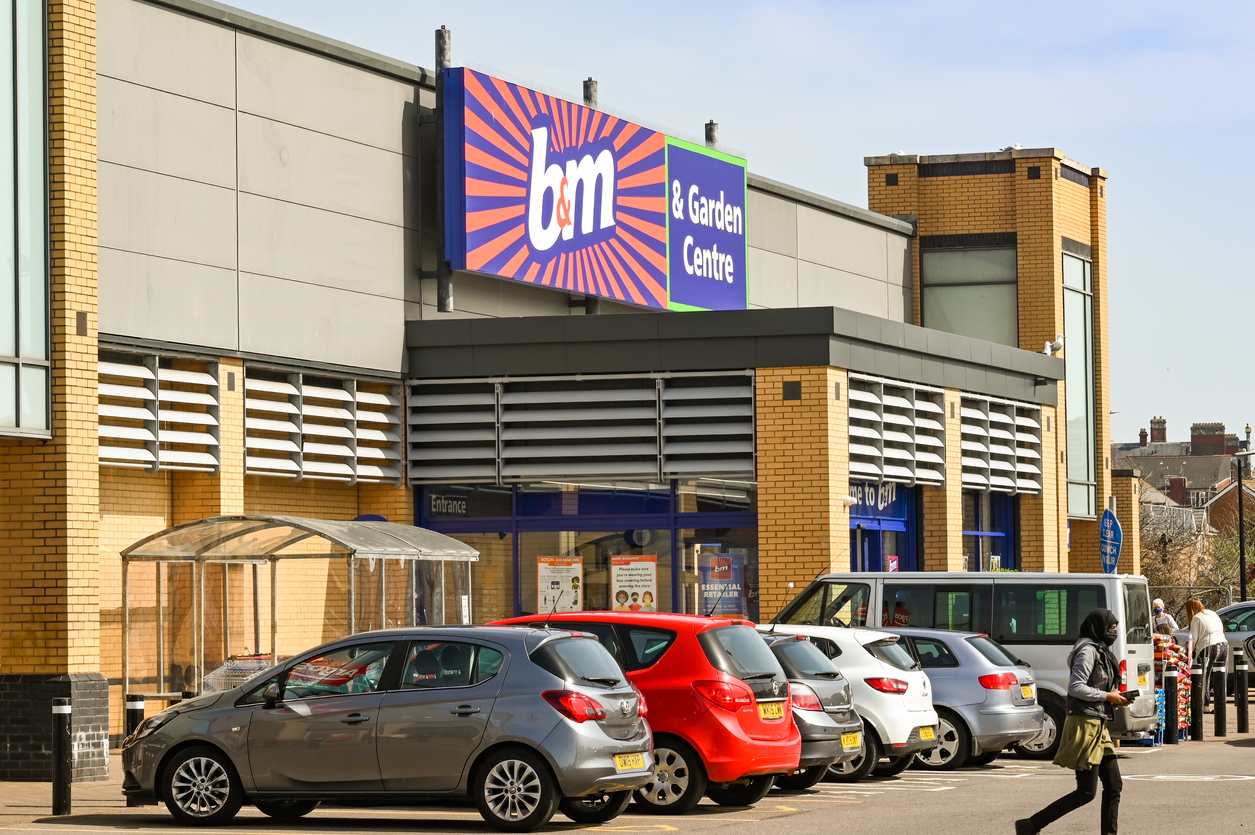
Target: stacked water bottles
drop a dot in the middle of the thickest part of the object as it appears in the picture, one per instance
(1168, 651)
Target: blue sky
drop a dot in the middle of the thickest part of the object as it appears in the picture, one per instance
(1158, 93)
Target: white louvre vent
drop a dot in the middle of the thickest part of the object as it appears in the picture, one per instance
(627, 427)
(303, 426)
(1001, 443)
(897, 431)
(158, 413)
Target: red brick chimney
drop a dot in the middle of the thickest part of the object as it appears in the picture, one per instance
(1158, 430)
(1177, 491)
(1141, 438)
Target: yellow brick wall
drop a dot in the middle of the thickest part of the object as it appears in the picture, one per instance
(1127, 492)
(803, 479)
(49, 603)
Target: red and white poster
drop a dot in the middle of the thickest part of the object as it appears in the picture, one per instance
(559, 584)
(634, 583)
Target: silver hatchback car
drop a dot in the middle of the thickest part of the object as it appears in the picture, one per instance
(524, 721)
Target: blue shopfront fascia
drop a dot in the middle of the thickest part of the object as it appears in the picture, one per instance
(516, 524)
(886, 507)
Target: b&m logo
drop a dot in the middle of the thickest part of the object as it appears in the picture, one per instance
(554, 193)
(544, 191)
(720, 565)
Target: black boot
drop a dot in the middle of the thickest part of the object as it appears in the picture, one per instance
(1025, 827)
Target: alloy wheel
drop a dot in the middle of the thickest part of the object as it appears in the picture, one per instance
(1041, 742)
(201, 787)
(512, 790)
(670, 778)
(947, 745)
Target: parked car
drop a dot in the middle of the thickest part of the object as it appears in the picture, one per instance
(1035, 615)
(823, 710)
(891, 694)
(523, 721)
(985, 697)
(1239, 629)
(718, 704)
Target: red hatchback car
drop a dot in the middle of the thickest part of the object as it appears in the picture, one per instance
(718, 703)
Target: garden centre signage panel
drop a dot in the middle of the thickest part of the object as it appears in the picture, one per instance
(548, 192)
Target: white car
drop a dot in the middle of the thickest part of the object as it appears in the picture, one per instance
(891, 692)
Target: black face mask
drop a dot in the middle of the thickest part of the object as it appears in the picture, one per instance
(1109, 637)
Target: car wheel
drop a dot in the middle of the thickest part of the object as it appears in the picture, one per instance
(741, 794)
(286, 810)
(201, 788)
(954, 744)
(851, 771)
(1045, 744)
(892, 766)
(983, 759)
(678, 782)
(596, 808)
(514, 791)
(802, 779)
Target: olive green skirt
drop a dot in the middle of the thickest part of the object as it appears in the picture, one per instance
(1084, 741)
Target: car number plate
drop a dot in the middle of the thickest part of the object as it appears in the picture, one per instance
(771, 710)
(1141, 679)
(629, 762)
(849, 741)
(927, 733)
(1027, 690)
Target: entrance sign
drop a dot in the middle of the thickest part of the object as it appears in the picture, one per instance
(559, 583)
(634, 583)
(548, 192)
(1110, 536)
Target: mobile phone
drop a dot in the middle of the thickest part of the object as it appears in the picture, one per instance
(1131, 695)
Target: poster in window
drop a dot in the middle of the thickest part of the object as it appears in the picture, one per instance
(559, 584)
(723, 584)
(634, 583)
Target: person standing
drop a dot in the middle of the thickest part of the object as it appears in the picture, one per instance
(1211, 647)
(1162, 618)
(1085, 744)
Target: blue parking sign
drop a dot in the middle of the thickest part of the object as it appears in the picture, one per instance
(1109, 539)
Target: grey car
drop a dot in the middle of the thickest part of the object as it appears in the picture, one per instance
(524, 721)
(1239, 629)
(986, 698)
(823, 710)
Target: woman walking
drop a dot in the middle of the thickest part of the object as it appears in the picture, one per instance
(1210, 645)
(1085, 746)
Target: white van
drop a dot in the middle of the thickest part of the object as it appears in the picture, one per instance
(1034, 615)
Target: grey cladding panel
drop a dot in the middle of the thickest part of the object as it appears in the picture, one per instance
(304, 321)
(772, 223)
(144, 128)
(286, 240)
(313, 169)
(165, 50)
(821, 286)
(772, 279)
(301, 88)
(841, 243)
(501, 298)
(165, 216)
(172, 301)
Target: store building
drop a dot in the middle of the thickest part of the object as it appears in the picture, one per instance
(248, 310)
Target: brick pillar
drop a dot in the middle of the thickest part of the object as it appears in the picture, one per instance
(1126, 488)
(49, 490)
(803, 479)
(1043, 518)
(942, 524)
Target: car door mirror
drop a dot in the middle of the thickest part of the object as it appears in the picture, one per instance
(271, 695)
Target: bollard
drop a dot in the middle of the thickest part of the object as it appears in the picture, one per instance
(1196, 704)
(1171, 710)
(62, 753)
(1241, 699)
(134, 718)
(1221, 700)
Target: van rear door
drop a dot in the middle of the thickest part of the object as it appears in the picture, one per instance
(1136, 652)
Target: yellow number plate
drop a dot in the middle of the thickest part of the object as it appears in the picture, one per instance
(629, 762)
(849, 741)
(1027, 690)
(771, 710)
(927, 733)
(1141, 679)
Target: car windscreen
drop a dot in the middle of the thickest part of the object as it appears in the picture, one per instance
(830, 603)
(995, 652)
(888, 651)
(739, 651)
(579, 659)
(802, 659)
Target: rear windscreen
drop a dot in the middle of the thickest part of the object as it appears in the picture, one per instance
(994, 652)
(888, 651)
(579, 659)
(738, 651)
(803, 658)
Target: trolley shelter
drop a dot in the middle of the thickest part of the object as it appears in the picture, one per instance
(208, 604)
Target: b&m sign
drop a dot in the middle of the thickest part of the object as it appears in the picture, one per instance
(548, 192)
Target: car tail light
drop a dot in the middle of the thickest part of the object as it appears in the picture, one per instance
(574, 706)
(803, 698)
(999, 681)
(888, 685)
(642, 709)
(1124, 676)
(725, 694)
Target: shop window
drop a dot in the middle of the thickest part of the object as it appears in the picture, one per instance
(1078, 360)
(709, 495)
(719, 572)
(556, 498)
(971, 292)
(989, 540)
(573, 571)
